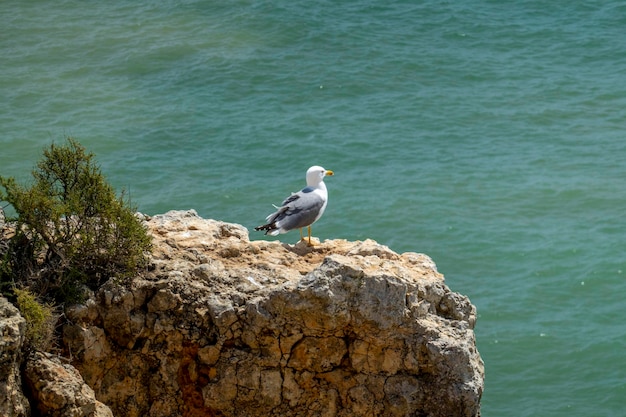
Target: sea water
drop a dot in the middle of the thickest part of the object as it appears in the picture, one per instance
(490, 135)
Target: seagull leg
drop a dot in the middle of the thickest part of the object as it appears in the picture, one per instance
(301, 235)
(310, 236)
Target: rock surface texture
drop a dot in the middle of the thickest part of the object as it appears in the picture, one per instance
(222, 326)
(13, 403)
(59, 390)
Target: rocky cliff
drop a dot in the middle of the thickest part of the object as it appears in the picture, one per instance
(222, 326)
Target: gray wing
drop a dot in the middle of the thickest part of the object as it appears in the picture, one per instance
(298, 210)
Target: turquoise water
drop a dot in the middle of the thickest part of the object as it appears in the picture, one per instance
(489, 135)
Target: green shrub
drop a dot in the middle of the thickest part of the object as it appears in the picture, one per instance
(70, 229)
(39, 318)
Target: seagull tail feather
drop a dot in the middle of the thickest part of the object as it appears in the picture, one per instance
(270, 228)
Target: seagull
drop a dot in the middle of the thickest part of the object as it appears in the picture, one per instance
(300, 209)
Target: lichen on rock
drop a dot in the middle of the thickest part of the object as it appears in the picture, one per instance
(225, 326)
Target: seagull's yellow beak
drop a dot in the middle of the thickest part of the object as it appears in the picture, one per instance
(329, 172)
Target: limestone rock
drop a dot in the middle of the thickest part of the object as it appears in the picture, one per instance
(13, 403)
(222, 326)
(59, 390)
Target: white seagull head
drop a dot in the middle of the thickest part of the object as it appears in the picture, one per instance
(315, 175)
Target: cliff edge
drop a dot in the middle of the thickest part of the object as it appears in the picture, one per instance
(225, 326)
